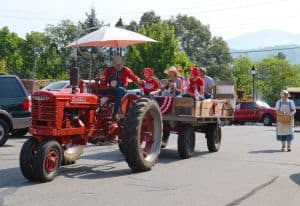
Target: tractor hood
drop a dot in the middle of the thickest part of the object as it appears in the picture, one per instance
(65, 95)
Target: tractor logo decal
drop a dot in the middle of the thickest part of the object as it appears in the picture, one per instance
(79, 99)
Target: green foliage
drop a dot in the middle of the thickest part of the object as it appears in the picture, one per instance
(149, 18)
(3, 68)
(207, 51)
(10, 50)
(275, 74)
(242, 76)
(158, 56)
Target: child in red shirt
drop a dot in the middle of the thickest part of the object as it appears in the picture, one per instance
(196, 84)
(150, 83)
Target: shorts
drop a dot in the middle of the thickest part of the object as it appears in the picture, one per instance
(288, 137)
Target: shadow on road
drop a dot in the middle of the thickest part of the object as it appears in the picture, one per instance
(270, 151)
(99, 171)
(171, 155)
(12, 177)
(295, 178)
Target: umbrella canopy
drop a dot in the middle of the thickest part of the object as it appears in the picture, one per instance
(110, 37)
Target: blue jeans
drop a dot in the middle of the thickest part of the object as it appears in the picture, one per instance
(118, 92)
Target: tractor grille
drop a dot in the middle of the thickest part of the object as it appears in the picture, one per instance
(44, 113)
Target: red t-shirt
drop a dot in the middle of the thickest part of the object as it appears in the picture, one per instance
(150, 85)
(125, 74)
(195, 83)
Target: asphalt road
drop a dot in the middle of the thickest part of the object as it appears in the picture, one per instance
(249, 170)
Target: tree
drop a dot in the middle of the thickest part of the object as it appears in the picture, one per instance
(42, 59)
(90, 23)
(61, 35)
(149, 18)
(88, 56)
(275, 74)
(241, 74)
(197, 41)
(158, 56)
(133, 26)
(10, 51)
(281, 55)
(120, 23)
(3, 67)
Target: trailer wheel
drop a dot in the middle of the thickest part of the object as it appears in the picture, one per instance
(213, 137)
(27, 157)
(165, 139)
(142, 134)
(47, 161)
(186, 141)
(4, 129)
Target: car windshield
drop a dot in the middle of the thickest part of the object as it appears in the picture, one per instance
(263, 104)
(56, 85)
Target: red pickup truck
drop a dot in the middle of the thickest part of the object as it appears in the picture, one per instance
(258, 111)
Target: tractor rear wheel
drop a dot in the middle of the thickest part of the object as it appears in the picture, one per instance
(213, 137)
(142, 134)
(186, 141)
(47, 161)
(27, 157)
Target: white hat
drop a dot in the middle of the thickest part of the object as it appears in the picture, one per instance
(172, 69)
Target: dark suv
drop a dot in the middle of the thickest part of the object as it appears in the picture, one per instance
(15, 116)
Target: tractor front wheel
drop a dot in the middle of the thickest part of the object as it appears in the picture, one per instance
(142, 134)
(27, 157)
(47, 161)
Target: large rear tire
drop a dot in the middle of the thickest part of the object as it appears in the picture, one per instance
(142, 134)
(4, 130)
(47, 161)
(186, 141)
(213, 137)
(27, 157)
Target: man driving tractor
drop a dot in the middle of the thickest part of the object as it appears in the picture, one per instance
(116, 80)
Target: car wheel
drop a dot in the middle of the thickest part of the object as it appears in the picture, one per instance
(267, 120)
(4, 130)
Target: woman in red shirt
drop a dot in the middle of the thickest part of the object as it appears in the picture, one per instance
(196, 84)
(150, 83)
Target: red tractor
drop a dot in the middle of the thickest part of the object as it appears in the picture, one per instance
(64, 122)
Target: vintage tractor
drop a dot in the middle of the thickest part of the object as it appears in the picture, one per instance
(63, 122)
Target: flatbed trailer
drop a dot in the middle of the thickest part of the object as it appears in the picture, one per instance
(188, 116)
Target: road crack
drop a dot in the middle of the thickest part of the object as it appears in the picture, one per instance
(252, 192)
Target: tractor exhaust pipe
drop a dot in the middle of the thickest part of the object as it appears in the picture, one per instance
(74, 79)
(73, 153)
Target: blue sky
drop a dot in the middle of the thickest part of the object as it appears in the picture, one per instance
(226, 18)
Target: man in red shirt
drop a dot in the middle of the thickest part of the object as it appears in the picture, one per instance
(116, 80)
(196, 84)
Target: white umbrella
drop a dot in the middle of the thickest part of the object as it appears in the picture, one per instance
(110, 37)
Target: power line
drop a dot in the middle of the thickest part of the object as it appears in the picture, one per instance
(264, 50)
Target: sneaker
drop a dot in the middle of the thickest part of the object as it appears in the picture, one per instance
(282, 149)
(289, 150)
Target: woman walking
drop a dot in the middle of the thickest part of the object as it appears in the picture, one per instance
(285, 129)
